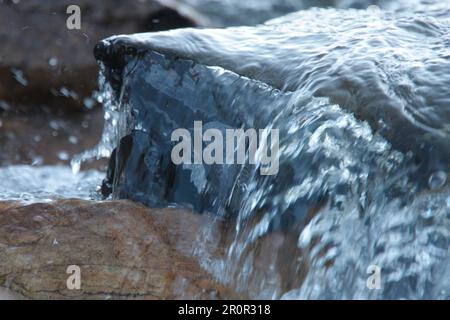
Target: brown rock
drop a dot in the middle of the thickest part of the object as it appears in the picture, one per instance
(124, 250)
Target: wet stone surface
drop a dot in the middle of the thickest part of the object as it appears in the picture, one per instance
(124, 251)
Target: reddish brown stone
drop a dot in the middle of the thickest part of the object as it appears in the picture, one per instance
(124, 251)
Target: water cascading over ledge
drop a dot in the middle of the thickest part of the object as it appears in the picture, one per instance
(363, 107)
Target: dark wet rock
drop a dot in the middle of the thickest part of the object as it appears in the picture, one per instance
(390, 71)
(124, 251)
(42, 63)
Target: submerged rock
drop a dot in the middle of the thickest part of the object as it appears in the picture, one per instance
(391, 71)
(124, 251)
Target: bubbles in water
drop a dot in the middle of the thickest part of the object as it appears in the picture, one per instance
(437, 180)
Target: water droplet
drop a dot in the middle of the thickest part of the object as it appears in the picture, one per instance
(53, 62)
(75, 166)
(64, 91)
(428, 213)
(73, 140)
(305, 237)
(18, 75)
(54, 125)
(68, 93)
(374, 9)
(63, 156)
(89, 103)
(37, 161)
(437, 180)
(4, 105)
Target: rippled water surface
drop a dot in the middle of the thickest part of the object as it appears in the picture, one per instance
(47, 183)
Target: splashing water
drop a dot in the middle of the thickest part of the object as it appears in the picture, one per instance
(29, 184)
(349, 195)
(359, 224)
(115, 124)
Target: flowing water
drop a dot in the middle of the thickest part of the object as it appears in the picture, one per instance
(361, 100)
(30, 184)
